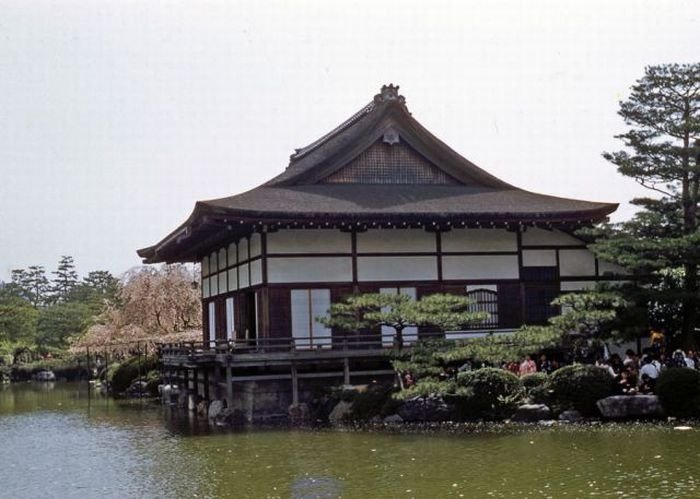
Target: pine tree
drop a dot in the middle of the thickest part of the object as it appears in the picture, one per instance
(662, 154)
(31, 284)
(66, 279)
(400, 311)
(102, 283)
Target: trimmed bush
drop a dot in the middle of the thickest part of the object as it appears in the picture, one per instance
(428, 386)
(128, 371)
(489, 392)
(678, 389)
(580, 386)
(374, 401)
(536, 387)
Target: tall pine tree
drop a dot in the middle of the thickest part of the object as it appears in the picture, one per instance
(31, 284)
(662, 153)
(65, 280)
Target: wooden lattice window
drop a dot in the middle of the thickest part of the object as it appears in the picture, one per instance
(484, 300)
(390, 164)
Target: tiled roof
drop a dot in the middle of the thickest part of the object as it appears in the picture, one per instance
(309, 188)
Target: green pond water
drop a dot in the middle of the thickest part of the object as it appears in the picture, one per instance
(55, 441)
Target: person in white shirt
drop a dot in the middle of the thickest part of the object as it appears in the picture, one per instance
(649, 369)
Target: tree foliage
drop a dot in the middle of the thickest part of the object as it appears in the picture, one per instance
(38, 313)
(65, 280)
(31, 284)
(584, 315)
(662, 153)
(57, 323)
(18, 318)
(152, 304)
(399, 311)
(588, 314)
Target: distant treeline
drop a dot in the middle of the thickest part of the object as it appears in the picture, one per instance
(41, 310)
(49, 313)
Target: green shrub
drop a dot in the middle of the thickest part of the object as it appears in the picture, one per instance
(678, 390)
(374, 401)
(488, 392)
(109, 372)
(128, 371)
(536, 387)
(580, 386)
(428, 386)
(64, 369)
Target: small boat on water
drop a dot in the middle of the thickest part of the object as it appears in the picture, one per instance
(45, 376)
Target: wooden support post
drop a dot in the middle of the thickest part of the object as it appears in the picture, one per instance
(295, 385)
(195, 382)
(346, 371)
(206, 385)
(229, 386)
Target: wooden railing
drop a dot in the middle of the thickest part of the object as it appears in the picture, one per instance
(364, 342)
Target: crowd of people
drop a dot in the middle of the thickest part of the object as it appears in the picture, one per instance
(638, 374)
(634, 373)
(530, 366)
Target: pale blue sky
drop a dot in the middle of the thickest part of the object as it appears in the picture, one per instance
(115, 117)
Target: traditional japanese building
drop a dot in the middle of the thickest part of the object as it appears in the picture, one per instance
(379, 204)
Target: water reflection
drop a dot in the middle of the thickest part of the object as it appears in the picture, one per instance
(316, 487)
(58, 442)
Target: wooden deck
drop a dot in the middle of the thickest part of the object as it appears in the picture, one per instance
(286, 351)
(220, 364)
(275, 351)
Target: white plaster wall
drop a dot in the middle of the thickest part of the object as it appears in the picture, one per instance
(214, 285)
(479, 240)
(232, 254)
(396, 241)
(255, 245)
(480, 267)
(242, 250)
(539, 258)
(233, 279)
(308, 241)
(222, 259)
(213, 265)
(313, 269)
(611, 268)
(243, 278)
(577, 285)
(205, 266)
(255, 272)
(223, 282)
(205, 288)
(396, 268)
(576, 262)
(534, 237)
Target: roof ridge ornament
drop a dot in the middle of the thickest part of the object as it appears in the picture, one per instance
(389, 93)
